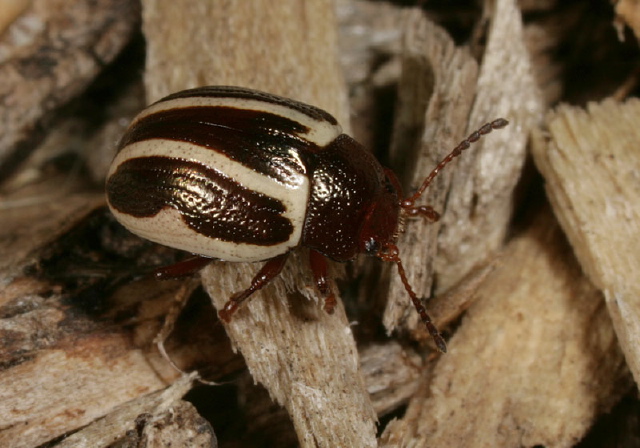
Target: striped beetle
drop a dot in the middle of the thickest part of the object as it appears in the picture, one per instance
(239, 175)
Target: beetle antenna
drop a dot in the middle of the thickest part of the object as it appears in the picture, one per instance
(407, 204)
(392, 253)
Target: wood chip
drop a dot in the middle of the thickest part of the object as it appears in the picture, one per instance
(628, 11)
(159, 420)
(68, 43)
(481, 196)
(536, 345)
(475, 194)
(589, 159)
(442, 78)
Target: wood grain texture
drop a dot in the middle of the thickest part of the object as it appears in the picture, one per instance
(60, 48)
(436, 91)
(159, 420)
(590, 160)
(305, 358)
(534, 362)
(481, 196)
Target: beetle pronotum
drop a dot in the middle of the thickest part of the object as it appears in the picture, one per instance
(239, 175)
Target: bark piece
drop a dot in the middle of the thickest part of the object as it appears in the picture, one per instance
(533, 363)
(36, 216)
(589, 159)
(305, 358)
(68, 44)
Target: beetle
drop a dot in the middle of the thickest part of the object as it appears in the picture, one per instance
(240, 175)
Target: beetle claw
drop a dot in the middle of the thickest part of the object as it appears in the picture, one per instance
(330, 303)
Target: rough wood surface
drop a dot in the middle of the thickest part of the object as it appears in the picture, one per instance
(475, 194)
(442, 78)
(589, 159)
(60, 46)
(305, 358)
(83, 363)
(159, 420)
(481, 196)
(533, 363)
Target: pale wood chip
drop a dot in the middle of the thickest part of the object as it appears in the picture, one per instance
(435, 94)
(481, 197)
(533, 363)
(628, 12)
(65, 44)
(590, 161)
(475, 194)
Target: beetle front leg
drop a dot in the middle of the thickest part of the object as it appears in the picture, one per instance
(268, 272)
(320, 271)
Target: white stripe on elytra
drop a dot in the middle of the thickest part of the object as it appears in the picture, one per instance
(321, 132)
(167, 226)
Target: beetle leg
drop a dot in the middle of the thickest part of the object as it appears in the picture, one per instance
(391, 253)
(184, 268)
(268, 272)
(321, 277)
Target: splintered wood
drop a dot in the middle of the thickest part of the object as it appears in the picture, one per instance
(459, 97)
(533, 363)
(307, 359)
(591, 163)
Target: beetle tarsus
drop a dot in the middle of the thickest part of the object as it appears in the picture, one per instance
(320, 270)
(268, 272)
(228, 310)
(330, 303)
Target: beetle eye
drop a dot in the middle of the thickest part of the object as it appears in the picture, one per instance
(371, 246)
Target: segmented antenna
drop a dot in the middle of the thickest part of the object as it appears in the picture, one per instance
(464, 144)
(391, 252)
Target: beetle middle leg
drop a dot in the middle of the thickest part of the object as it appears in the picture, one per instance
(184, 268)
(268, 272)
(320, 271)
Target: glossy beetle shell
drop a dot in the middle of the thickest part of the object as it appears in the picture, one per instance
(241, 175)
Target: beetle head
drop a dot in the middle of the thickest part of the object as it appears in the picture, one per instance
(381, 223)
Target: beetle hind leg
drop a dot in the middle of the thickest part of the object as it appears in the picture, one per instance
(268, 272)
(320, 272)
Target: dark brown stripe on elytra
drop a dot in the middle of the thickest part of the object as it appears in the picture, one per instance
(211, 204)
(250, 94)
(266, 143)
